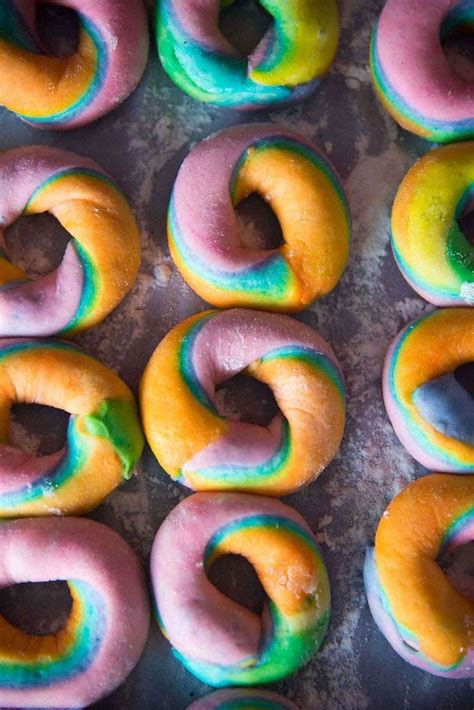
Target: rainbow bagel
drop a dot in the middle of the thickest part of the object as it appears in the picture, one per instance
(306, 196)
(286, 66)
(431, 411)
(104, 439)
(242, 699)
(431, 251)
(411, 74)
(108, 624)
(54, 92)
(100, 264)
(205, 451)
(218, 640)
(425, 620)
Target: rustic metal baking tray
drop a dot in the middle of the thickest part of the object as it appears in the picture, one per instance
(141, 145)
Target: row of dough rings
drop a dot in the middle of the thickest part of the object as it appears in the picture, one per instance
(205, 451)
(426, 618)
(100, 266)
(428, 98)
(428, 397)
(423, 616)
(112, 51)
(432, 412)
(216, 524)
(193, 442)
(100, 643)
(108, 624)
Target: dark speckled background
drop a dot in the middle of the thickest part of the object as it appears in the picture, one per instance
(142, 145)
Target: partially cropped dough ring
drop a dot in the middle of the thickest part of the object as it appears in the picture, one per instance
(432, 252)
(411, 73)
(53, 92)
(286, 65)
(306, 196)
(431, 412)
(100, 264)
(108, 624)
(104, 439)
(242, 699)
(204, 450)
(424, 618)
(218, 640)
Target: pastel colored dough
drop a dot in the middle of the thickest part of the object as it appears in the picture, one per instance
(68, 92)
(100, 263)
(286, 65)
(411, 73)
(104, 438)
(242, 699)
(205, 451)
(221, 642)
(107, 627)
(303, 191)
(432, 252)
(432, 414)
(423, 617)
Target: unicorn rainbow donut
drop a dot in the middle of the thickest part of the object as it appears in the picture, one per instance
(100, 264)
(423, 617)
(303, 191)
(204, 450)
(104, 438)
(221, 642)
(68, 92)
(242, 699)
(432, 252)
(432, 410)
(286, 66)
(411, 74)
(107, 627)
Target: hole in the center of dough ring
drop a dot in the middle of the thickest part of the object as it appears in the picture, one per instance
(38, 429)
(244, 399)
(37, 609)
(457, 38)
(466, 225)
(235, 577)
(244, 23)
(36, 244)
(258, 225)
(465, 376)
(58, 29)
(458, 566)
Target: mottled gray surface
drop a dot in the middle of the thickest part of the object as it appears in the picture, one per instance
(141, 145)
